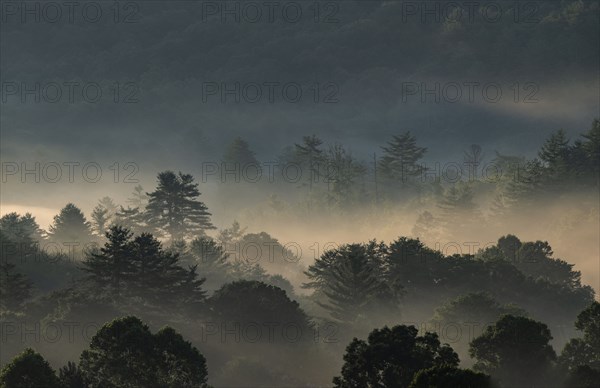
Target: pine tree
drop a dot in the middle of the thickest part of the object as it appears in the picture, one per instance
(426, 227)
(158, 276)
(138, 198)
(109, 205)
(209, 255)
(591, 147)
(174, 209)
(100, 220)
(132, 219)
(70, 225)
(15, 288)
(21, 229)
(525, 184)
(341, 173)
(231, 235)
(103, 215)
(458, 211)
(311, 159)
(139, 267)
(239, 155)
(401, 157)
(472, 159)
(555, 154)
(111, 266)
(352, 278)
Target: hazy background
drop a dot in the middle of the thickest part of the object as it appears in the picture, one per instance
(361, 53)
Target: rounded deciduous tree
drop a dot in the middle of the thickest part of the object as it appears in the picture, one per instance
(391, 357)
(249, 302)
(179, 363)
(124, 353)
(28, 370)
(580, 357)
(450, 377)
(515, 350)
(70, 226)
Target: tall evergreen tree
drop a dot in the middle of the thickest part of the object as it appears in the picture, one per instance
(239, 155)
(139, 267)
(341, 173)
(131, 218)
(110, 266)
(555, 154)
(15, 288)
(311, 159)
(413, 265)
(401, 156)
(70, 225)
(138, 198)
(100, 220)
(158, 275)
(591, 149)
(458, 211)
(472, 158)
(231, 235)
(174, 209)
(352, 279)
(21, 229)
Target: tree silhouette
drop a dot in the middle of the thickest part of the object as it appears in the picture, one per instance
(472, 158)
(132, 219)
(352, 278)
(71, 376)
(138, 198)
(21, 229)
(391, 357)
(400, 158)
(582, 377)
(341, 173)
(475, 307)
(584, 351)
(125, 353)
(179, 363)
(28, 370)
(413, 265)
(109, 204)
(534, 259)
(247, 302)
(458, 210)
(69, 226)
(239, 156)
(231, 235)
(450, 377)
(15, 288)
(516, 351)
(173, 208)
(100, 220)
(555, 154)
(138, 266)
(111, 265)
(311, 159)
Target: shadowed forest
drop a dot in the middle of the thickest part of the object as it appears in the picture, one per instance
(152, 293)
(322, 193)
